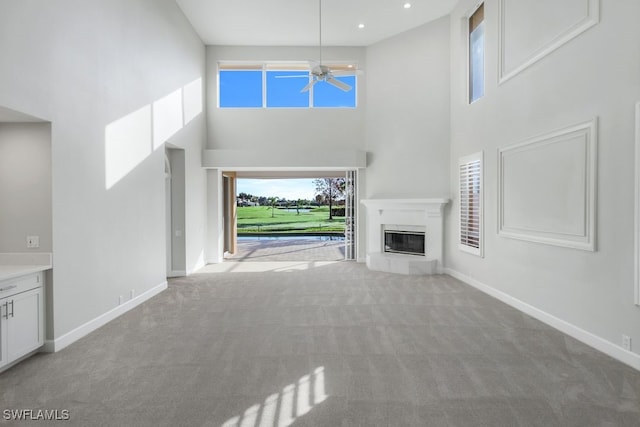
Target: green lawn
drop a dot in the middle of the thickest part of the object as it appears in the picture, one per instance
(258, 219)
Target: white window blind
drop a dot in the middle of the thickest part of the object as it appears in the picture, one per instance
(471, 204)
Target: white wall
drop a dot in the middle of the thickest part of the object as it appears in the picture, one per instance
(594, 75)
(286, 133)
(407, 116)
(288, 127)
(25, 186)
(116, 79)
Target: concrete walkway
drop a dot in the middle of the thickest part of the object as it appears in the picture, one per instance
(288, 249)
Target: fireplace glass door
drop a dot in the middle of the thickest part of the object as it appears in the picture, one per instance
(404, 242)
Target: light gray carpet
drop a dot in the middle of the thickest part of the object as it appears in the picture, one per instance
(325, 344)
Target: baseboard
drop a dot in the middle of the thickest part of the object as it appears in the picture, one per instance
(176, 273)
(607, 347)
(52, 346)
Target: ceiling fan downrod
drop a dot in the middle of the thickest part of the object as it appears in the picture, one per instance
(320, 28)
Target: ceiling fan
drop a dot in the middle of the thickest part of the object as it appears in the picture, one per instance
(323, 73)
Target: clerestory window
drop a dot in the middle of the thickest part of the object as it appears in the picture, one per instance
(476, 54)
(280, 85)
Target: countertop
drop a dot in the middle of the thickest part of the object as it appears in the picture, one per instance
(13, 271)
(14, 265)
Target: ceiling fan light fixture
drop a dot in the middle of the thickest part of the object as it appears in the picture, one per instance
(323, 73)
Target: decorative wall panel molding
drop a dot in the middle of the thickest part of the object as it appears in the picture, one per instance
(530, 30)
(547, 188)
(636, 258)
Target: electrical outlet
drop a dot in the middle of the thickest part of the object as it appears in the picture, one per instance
(120, 300)
(132, 294)
(626, 342)
(33, 241)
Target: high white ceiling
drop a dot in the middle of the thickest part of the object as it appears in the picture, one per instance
(295, 22)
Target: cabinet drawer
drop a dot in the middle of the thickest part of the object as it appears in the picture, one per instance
(20, 284)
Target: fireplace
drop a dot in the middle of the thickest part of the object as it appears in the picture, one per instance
(397, 233)
(404, 242)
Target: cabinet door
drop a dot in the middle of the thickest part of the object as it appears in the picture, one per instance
(3, 333)
(25, 324)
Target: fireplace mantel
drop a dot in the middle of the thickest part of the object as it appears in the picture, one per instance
(428, 205)
(425, 213)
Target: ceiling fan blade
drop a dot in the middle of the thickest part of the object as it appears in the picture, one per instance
(309, 86)
(337, 83)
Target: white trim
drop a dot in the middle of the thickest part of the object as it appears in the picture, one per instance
(588, 338)
(176, 273)
(264, 86)
(585, 240)
(433, 207)
(359, 224)
(52, 346)
(636, 258)
(279, 160)
(589, 20)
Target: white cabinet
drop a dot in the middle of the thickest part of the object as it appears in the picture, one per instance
(21, 317)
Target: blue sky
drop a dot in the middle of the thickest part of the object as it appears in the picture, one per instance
(291, 189)
(243, 89)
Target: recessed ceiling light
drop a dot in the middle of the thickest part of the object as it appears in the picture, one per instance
(361, 26)
(407, 5)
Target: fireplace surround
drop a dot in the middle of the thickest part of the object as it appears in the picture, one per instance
(408, 217)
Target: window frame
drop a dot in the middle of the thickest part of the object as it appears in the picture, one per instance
(267, 100)
(331, 88)
(267, 66)
(240, 107)
(465, 177)
(470, 27)
(637, 209)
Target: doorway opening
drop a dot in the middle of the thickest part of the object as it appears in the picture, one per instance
(292, 216)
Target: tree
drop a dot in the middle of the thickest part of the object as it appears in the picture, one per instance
(272, 202)
(332, 189)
